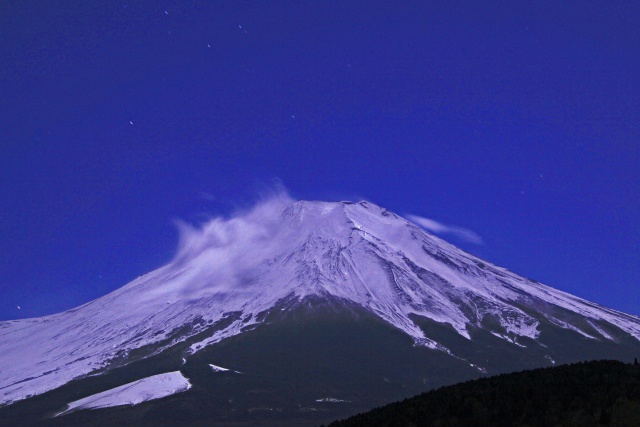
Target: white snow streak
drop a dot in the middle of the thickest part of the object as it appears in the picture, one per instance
(149, 388)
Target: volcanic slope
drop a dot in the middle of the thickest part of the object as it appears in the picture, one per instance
(280, 295)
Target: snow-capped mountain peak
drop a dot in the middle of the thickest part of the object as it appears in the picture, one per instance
(229, 273)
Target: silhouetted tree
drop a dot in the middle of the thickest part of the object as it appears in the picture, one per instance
(562, 395)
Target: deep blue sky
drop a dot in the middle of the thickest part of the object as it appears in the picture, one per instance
(517, 120)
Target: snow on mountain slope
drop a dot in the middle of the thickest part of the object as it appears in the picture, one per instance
(240, 268)
(149, 388)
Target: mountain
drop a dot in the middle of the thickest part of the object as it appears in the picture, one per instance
(292, 312)
(597, 393)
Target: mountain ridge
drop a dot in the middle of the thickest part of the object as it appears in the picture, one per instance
(228, 276)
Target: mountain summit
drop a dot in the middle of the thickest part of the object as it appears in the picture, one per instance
(242, 277)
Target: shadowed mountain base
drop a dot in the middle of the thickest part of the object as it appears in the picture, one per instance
(317, 361)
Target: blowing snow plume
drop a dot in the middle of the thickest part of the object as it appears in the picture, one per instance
(228, 234)
(225, 250)
(440, 228)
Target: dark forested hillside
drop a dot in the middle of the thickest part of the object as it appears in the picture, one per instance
(599, 393)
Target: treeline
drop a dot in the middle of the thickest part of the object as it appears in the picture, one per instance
(600, 393)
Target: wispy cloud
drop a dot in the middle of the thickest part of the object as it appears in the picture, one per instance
(222, 253)
(440, 228)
